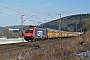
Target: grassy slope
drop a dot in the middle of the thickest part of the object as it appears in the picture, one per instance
(69, 23)
(64, 49)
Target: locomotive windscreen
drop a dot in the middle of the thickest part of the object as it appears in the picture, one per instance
(29, 31)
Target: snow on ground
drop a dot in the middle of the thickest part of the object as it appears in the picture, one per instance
(7, 41)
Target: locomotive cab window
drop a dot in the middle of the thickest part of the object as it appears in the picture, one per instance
(29, 31)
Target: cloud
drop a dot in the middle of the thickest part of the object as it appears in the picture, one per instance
(46, 5)
(68, 11)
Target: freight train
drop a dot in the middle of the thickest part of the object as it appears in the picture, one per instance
(32, 33)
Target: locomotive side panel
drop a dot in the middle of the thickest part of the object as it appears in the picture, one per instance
(40, 33)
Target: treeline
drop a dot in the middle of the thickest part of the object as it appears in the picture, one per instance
(80, 22)
(10, 34)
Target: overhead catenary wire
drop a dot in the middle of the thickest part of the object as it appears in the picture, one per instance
(9, 15)
(38, 18)
(27, 9)
(51, 16)
(29, 17)
(24, 8)
(15, 10)
(26, 14)
(41, 19)
(9, 8)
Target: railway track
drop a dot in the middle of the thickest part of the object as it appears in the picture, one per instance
(27, 44)
(20, 45)
(14, 49)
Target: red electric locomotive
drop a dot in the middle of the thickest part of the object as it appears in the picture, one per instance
(32, 33)
(29, 33)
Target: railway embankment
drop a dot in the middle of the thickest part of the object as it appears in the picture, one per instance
(65, 49)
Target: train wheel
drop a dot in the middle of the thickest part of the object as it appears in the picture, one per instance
(36, 39)
(33, 40)
(28, 40)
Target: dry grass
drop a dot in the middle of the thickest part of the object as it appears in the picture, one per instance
(62, 50)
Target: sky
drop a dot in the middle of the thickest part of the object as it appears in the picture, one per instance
(35, 11)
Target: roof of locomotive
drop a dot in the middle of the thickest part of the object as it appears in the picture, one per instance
(31, 26)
